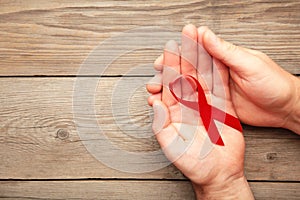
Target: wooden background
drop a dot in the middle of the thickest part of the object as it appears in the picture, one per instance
(44, 43)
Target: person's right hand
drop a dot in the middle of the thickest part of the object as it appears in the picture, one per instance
(262, 93)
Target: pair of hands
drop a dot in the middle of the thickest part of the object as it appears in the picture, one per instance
(241, 82)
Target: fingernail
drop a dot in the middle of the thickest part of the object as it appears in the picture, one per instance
(172, 46)
(158, 63)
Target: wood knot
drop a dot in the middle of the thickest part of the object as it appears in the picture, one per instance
(62, 134)
(271, 156)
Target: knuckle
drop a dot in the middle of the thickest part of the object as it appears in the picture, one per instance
(231, 47)
(229, 50)
(259, 53)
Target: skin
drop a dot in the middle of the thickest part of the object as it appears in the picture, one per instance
(231, 77)
(278, 102)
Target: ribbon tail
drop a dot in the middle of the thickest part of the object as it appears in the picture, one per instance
(210, 126)
(227, 119)
(214, 134)
(208, 113)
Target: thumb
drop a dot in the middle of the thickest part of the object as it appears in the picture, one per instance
(238, 59)
(161, 116)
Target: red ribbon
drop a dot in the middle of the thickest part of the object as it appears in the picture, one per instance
(208, 113)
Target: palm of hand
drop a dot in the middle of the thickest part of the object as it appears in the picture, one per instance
(179, 130)
(200, 160)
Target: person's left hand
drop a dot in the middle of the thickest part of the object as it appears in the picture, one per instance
(180, 131)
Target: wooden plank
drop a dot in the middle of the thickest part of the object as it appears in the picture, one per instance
(97, 190)
(55, 38)
(122, 189)
(275, 190)
(39, 139)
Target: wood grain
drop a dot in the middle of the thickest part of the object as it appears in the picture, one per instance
(55, 37)
(34, 110)
(128, 190)
(44, 44)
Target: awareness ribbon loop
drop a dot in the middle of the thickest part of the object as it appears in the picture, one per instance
(207, 112)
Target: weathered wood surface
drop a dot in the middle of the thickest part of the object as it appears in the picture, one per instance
(55, 37)
(40, 146)
(34, 109)
(128, 190)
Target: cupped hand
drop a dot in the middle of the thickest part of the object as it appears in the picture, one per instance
(263, 94)
(180, 131)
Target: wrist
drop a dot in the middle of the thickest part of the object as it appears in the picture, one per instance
(237, 188)
(293, 120)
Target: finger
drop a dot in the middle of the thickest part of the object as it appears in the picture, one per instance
(153, 98)
(189, 50)
(188, 61)
(171, 70)
(220, 80)
(158, 63)
(204, 67)
(155, 84)
(166, 134)
(236, 58)
(161, 118)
